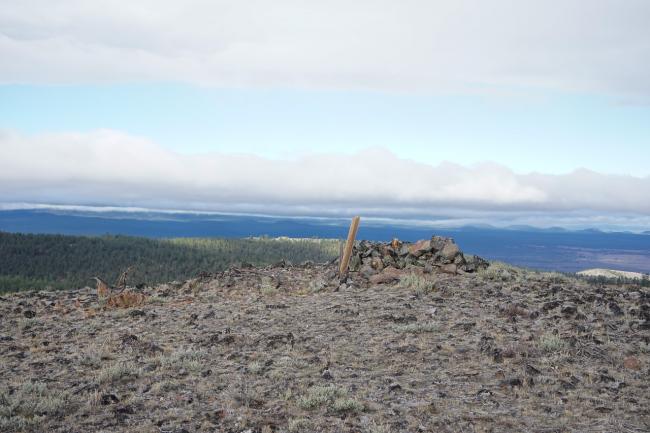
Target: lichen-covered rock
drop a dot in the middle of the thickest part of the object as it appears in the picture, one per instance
(367, 271)
(450, 251)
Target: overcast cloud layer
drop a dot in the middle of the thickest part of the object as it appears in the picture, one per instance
(600, 46)
(110, 167)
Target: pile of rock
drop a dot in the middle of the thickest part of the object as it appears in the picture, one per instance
(438, 253)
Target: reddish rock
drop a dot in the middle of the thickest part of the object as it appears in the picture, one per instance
(420, 247)
(450, 251)
(632, 363)
(449, 269)
(388, 275)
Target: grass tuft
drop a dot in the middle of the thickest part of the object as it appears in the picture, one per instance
(416, 282)
(164, 386)
(332, 397)
(347, 405)
(550, 343)
(499, 271)
(189, 360)
(256, 367)
(417, 328)
(29, 405)
(319, 396)
(298, 424)
(118, 372)
(28, 323)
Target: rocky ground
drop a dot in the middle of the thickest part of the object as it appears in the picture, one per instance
(409, 345)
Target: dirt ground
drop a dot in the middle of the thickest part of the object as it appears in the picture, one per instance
(286, 349)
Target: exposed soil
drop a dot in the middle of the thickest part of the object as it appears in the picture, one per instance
(288, 349)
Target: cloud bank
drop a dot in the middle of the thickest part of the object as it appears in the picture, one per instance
(414, 45)
(112, 168)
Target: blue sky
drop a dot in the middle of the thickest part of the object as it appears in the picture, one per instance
(546, 132)
(527, 112)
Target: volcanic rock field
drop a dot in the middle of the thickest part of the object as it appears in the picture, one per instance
(417, 338)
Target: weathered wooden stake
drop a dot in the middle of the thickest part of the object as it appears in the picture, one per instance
(343, 269)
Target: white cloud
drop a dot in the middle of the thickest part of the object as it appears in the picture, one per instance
(112, 168)
(413, 45)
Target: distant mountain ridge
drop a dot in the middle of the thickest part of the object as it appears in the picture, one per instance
(193, 216)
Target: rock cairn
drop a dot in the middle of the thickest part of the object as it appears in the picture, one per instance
(438, 253)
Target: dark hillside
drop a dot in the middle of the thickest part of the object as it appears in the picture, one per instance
(58, 261)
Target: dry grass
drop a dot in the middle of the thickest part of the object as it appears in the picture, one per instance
(29, 404)
(331, 397)
(417, 328)
(346, 405)
(268, 287)
(165, 386)
(550, 343)
(420, 284)
(117, 372)
(296, 425)
(499, 271)
(187, 360)
(125, 299)
(256, 367)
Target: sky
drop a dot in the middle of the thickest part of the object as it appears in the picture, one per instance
(403, 108)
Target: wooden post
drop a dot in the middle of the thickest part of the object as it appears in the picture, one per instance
(343, 269)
